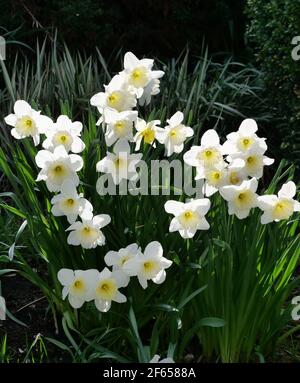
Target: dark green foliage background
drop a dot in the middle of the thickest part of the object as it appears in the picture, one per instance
(153, 27)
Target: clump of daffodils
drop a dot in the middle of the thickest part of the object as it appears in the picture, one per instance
(231, 169)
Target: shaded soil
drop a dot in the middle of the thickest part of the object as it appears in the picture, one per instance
(27, 304)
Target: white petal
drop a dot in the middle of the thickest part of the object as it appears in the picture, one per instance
(120, 298)
(176, 119)
(78, 145)
(153, 249)
(101, 220)
(267, 217)
(76, 162)
(76, 302)
(11, 119)
(174, 207)
(111, 258)
(248, 127)
(210, 138)
(160, 277)
(42, 157)
(65, 276)
(174, 225)
(73, 239)
(22, 108)
(102, 305)
(266, 202)
(287, 190)
(143, 281)
(130, 61)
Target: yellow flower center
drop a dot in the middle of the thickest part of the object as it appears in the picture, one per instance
(148, 135)
(188, 214)
(245, 200)
(78, 287)
(70, 201)
(149, 266)
(283, 209)
(209, 156)
(139, 77)
(114, 100)
(124, 260)
(26, 126)
(245, 143)
(119, 126)
(106, 289)
(234, 178)
(58, 169)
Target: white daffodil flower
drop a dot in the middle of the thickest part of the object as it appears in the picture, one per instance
(27, 122)
(105, 289)
(235, 172)
(152, 89)
(147, 132)
(120, 164)
(174, 134)
(205, 156)
(118, 95)
(241, 199)
(70, 204)
(277, 208)
(87, 233)
(76, 285)
(244, 139)
(119, 125)
(58, 167)
(150, 265)
(254, 160)
(156, 359)
(118, 259)
(139, 73)
(215, 177)
(64, 132)
(188, 217)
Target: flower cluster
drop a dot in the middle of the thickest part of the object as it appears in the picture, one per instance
(103, 287)
(232, 169)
